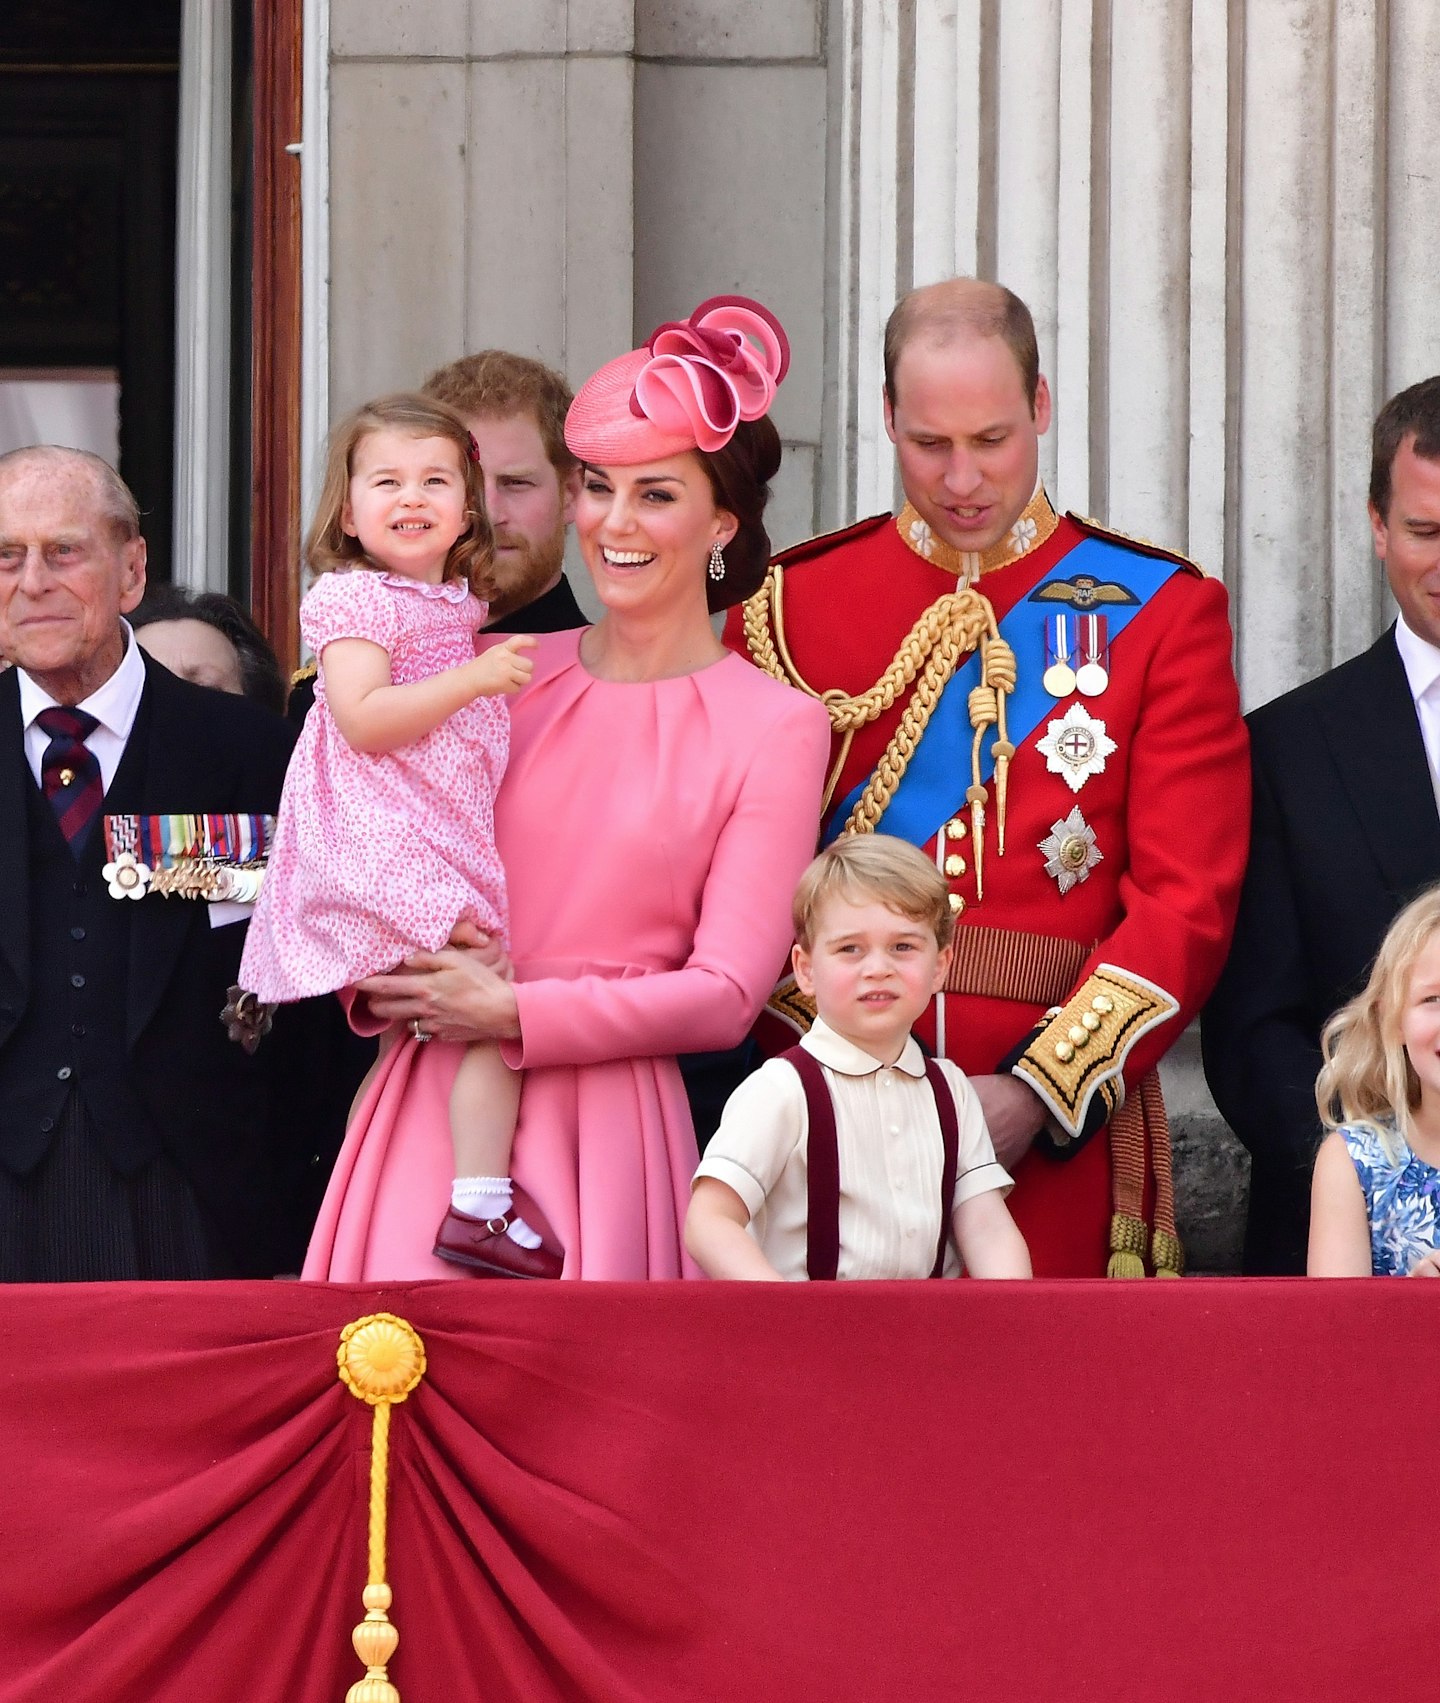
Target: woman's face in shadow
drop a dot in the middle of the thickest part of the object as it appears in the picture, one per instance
(195, 651)
(646, 532)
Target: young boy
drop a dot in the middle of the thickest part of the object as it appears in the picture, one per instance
(858, 1098)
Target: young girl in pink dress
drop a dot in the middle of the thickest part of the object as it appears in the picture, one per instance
(385, 842)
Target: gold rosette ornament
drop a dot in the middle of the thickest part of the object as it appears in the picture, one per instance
(381, 1359)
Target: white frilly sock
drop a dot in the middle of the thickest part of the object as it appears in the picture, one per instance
(492, 1197)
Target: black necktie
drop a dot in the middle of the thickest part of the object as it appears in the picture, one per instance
(70, 772)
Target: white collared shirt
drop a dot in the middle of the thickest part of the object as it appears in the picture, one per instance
(891, 1156)
(1422, 670)
(114, 706)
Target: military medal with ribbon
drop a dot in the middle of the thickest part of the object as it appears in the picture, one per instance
(191, 855)
(1093, 674)
(1059, 676)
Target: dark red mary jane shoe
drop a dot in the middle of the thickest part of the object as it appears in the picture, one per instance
(481, 1245)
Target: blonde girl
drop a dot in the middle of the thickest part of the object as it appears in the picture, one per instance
(1376, 1186)
(385, 843)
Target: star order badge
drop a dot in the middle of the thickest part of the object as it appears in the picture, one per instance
(1070, 851)
(1076, 746)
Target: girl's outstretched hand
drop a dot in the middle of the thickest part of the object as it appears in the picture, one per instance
(504, 668)
(470, 937)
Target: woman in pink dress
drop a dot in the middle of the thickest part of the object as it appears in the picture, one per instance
(661, 800)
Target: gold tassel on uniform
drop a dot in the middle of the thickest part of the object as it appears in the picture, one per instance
(381, 1359)
(945, 634)
(1127, 1246)
(1167, 1255)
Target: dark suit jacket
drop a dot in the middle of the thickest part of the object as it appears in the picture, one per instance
(1345, 832)
(216, 1110)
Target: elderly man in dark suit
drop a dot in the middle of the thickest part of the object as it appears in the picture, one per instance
(1345, 832)
(136, 1141)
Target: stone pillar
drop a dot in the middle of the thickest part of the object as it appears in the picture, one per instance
(1219, 216)
(730, 160)
(481, 185)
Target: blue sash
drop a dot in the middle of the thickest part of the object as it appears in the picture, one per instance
(933, 786)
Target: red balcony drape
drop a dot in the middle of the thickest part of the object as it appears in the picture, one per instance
(844, 1492)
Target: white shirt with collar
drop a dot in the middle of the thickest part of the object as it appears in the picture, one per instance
(1421, 661)
(114, 705)
(891, 1157)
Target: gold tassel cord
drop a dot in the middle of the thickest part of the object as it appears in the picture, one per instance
(1001, 674)
(381, 1359)
(945, 634)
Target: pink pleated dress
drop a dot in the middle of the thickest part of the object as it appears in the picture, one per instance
(380, 855)
(653, 834)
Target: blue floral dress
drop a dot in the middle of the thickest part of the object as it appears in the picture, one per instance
(1402, 1196)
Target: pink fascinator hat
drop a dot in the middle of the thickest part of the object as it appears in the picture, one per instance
(688, 388)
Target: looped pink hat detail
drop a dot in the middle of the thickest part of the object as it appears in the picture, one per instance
(688, 388)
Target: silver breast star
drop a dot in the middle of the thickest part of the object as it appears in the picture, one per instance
(1076, 746)
(1070, 851)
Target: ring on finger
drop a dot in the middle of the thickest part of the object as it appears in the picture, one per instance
(419, 1033)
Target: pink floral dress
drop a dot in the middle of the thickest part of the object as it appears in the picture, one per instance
(378, 856)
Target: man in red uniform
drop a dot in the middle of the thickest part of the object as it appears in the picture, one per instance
(1051, 711)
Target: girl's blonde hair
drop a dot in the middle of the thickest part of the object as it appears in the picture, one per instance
(1367, 1076)
(329, 546)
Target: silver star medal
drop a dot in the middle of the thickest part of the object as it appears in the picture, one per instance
(1070, 851)
(1076, 747)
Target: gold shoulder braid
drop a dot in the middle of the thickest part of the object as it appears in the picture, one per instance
(953, 626)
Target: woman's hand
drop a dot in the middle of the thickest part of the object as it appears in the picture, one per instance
(451, 995)
(1428, 1265)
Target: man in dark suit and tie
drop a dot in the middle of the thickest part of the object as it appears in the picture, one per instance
(136, 1141)
(1345, 832)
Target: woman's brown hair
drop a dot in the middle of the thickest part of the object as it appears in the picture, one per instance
(740, 476)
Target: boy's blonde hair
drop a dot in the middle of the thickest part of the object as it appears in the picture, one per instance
(329, 546)
(1367, 1076)
(874, 866)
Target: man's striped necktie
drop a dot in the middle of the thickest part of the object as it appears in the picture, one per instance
(70, 772)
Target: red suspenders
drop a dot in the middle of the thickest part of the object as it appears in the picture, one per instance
(822, 1172)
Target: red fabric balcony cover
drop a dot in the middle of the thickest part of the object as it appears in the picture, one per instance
(847, 1492)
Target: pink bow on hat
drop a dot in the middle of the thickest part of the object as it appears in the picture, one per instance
(688, 388)
(705, 374)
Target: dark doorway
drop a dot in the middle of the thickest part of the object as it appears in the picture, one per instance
(88, 107)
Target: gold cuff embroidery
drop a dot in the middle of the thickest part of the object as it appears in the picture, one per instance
(1077, 1058)
(793, 1008)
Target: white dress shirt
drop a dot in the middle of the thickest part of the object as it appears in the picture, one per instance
(1422, 669)
(114, 706)
(891, 1156)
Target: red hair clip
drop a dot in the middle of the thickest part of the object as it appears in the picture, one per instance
(474, 448)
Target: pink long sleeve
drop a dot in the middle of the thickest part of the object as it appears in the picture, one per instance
(743, 932)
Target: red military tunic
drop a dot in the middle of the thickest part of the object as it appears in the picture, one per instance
(1142, 932)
